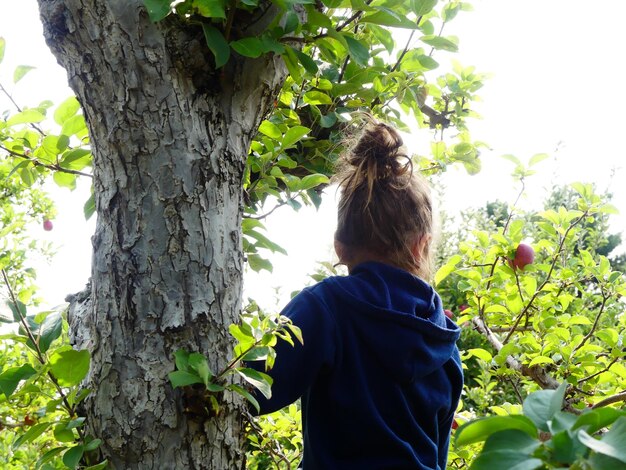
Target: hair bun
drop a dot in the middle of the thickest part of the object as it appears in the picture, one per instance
(378, 154)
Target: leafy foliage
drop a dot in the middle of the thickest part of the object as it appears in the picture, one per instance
(40, 378)
(547, 437)
(256, 335)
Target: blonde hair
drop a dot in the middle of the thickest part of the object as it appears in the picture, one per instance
(384, 207)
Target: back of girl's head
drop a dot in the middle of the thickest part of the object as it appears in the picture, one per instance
(384, 208)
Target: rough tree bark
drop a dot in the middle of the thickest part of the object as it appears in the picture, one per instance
(169, 137)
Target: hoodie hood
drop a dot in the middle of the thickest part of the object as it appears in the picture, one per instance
(399, 317)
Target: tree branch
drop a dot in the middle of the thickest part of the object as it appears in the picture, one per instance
(610, 400)
(537, 373)
(546, 280)
(49, 166)
(595, 374)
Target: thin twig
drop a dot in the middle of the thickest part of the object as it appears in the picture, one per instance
(608, 366)
(40, 356)
(595, 324)
(354, 17)
(610, 400)
(19, 109)
(261, 217)
(548, 276)
(49, 166)
(405, 50)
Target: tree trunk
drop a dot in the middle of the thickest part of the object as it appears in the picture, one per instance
(169, 136)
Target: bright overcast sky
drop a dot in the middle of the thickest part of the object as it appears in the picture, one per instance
(557, 67)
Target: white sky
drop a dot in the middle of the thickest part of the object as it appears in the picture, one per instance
(557, 68)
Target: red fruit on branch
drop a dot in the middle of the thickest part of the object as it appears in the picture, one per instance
(454, 424)
(463, 307)
(524, 255)
(47, 225)
(449, 314)
(28, 421)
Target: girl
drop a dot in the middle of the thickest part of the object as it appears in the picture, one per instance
(379, 373)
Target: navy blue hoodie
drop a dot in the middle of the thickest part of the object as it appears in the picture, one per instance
(379, 373)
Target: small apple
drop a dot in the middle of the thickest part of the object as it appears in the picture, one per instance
(454, 424)
(449, 314)
(47, 225)
(29, 421)
(463, 307)
(524, 255)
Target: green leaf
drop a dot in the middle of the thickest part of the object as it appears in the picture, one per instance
(293, 135)
(72, 456)
(217, 44)
(257, 263)
(313, 181)
(74, 125)
(210, 8)
(604, 462)
(538, 158)
(387, 18)
(265, 242)
(317, 97)
(101, 466)
(447, 269)
(181, 378)
(33, 433)
(69, 366)
(89, 208)
(481, 354)
(50, 330)
(62, 434)
(505, 459)
(247, 395)
(427, 62)
(28, 116)
(64, 180)
(481, 428)
(270, 129)
(439, 42)
(296, 331)
(66, 110)
(328, 120)
(262, 382)
(248, 47)
(598, 418)
(54, 145)
(291, 62)
(199, 363)
(19, 310)
(257, 354)
(3, 44)
(20, 71)
(11, 377)
(542, 405)
(93, 445)
(307, 62)
(49, 456)
(359, 52)
(611, 444)
(421, 7)
(181, 358)
(158, 9)
(76, 159)
(513, 440)
(290, 22)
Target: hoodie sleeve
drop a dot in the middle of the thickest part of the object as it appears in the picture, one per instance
(297, 367)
